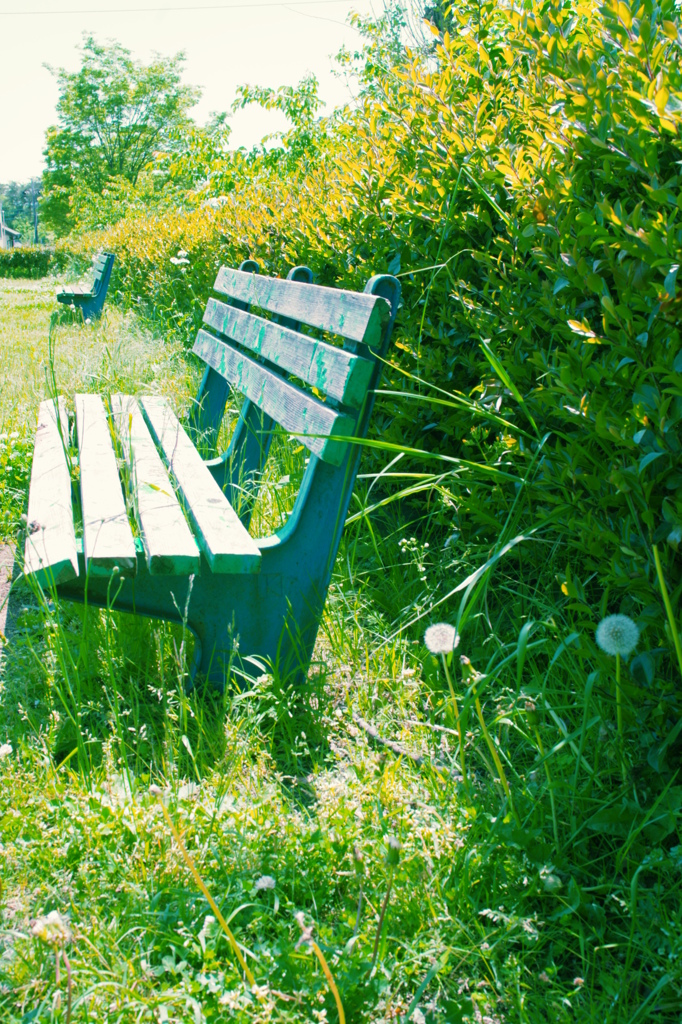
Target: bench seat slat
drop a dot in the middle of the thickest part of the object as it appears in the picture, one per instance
(298, 412)
(225, 542)
(353, 315)
(107, 538)
(338, 373)
(169, 546)
(74, 290)
(50, 552)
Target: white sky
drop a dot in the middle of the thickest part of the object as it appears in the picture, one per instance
(260, 42)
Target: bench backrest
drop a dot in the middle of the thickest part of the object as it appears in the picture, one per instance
(317, 386)
(102, 266)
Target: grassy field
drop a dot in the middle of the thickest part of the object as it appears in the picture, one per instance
(429, 901)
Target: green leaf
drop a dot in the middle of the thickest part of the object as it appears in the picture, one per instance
(670, 280)
(646, 460)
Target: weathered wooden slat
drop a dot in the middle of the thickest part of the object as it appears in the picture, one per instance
(50, 553)
(298, 412)
(338, 373)
(107, 538)
(353, 315)
(169, 546)
(226, 544)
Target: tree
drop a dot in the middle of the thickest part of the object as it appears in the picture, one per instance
(114, 115)
(19, 201)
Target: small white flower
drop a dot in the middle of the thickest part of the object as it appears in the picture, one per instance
(5, 750)
(179, 261)
(442, 638)
(265, 882)
(52, 929)
(617, 634)
(182, 254)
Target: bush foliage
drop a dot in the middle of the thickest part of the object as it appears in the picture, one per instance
(25, 262)
(522, 179)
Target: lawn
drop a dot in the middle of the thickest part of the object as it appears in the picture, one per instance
(427, 900)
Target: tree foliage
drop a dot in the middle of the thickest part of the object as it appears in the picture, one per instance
(114, 114)
(18, 199)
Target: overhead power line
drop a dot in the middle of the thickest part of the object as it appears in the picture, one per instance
(291, 5)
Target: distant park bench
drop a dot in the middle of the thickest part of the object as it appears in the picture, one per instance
(193, 557)
(90, 301)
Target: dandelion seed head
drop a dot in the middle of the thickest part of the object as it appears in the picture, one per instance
(617, 634)
(394, 847)
(52, 929)
(441, 638)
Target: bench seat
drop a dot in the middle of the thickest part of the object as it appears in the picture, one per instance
(124, 511)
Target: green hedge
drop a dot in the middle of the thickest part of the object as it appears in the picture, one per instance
(26, 262)
(36, 262)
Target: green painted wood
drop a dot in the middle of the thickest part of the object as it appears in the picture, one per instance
(221, 536)
(334, 371)
(353, 315)
(50, 553)
(91, 300)
(107, 537)
(300, 413)
(169, 546)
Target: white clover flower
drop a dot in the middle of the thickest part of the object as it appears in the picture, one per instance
(617, 634)
(5, 750)
(441, 638)
(264, 882)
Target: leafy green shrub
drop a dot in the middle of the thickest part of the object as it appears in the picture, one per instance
(25, 262)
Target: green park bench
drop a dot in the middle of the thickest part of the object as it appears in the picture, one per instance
(91, 300)
(190, 556)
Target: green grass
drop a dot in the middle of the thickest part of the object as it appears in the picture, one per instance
(563, 906)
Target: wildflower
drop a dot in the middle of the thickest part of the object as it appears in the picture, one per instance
(264, 882)
(52, 929)
(5, 750)
(617, 634)
(393, 851)
(441, 638)
(358, 861)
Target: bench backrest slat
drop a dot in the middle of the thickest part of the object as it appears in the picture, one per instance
(334, 371)
(355, 316)
(300, 413)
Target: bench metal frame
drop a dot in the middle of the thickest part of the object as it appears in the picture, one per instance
(270, 609)
(91, 302)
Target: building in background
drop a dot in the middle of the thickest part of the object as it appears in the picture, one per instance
(8, 237)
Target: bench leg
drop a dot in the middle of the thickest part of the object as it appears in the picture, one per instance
(234, 618)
